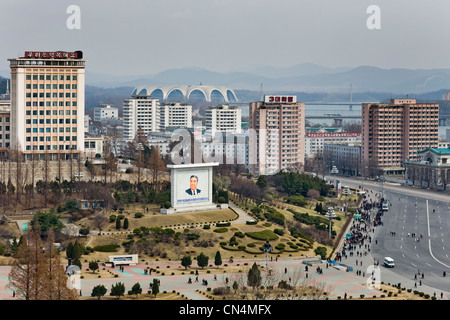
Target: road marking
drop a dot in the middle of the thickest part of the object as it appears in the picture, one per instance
(414, 265)
(417, 255)
(428, 264)
(403, 255)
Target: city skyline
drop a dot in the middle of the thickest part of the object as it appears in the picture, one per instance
(137, 38)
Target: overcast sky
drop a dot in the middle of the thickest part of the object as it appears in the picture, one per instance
(133, 37)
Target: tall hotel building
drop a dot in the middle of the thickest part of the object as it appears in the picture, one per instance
(277, 125)
(47, 104)
(394, 133)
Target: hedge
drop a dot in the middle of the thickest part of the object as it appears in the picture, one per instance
(107, 248)
(220, 230)
(262, 235)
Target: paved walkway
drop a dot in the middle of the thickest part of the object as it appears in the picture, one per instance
(337, 282)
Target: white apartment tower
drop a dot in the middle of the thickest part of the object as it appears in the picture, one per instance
(47, 104)
(175, 115)
(140, 111)
(223, 118)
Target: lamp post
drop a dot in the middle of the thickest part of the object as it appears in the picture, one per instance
(267, 248)
(330, 215)
(346, 192)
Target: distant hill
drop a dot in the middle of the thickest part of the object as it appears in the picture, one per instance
(302, 77)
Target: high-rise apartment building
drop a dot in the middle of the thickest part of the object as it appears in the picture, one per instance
(394, 133)
(223, 118)
(47, 104)
(152, 116)
(140, 111)
(175, 115)
(278, 124)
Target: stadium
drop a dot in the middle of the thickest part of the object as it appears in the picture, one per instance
(187, 93)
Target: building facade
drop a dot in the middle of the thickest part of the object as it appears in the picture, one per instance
(431, 170)
(278, 126)
(345, 156)
(315, 141)
(175, 115)
(140, 111)
(105, 111)
(394, 133)
(5, 128)
(47, 104)
(223, 118)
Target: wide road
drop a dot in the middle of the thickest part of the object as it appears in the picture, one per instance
(426, 214)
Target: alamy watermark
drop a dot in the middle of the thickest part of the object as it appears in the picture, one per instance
(73, 22)
(374, 20)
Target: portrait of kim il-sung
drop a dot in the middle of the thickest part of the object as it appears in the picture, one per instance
(193, 186)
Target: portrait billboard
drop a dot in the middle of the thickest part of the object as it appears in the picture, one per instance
(192, 186)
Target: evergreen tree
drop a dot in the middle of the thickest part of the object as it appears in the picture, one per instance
(70, 251)
(262, 182)
(155, 287)
(202, 260)
(98, 291)
(218, 259)
(125, 223)
(117, 224)
(93, 265)
(136, 289)
(254, 277)
(186, 262)
(118, 289)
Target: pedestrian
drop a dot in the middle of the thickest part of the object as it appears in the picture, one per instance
(345, 295)
(420, 282)
(285, 270)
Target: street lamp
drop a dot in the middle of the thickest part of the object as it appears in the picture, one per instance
(330, 215)
(267, 248)
(346, 192)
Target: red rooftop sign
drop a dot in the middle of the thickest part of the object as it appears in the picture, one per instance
(280, 99)
(53, 55)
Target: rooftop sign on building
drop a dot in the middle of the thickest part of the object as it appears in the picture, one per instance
(280, 99)
(53, 55)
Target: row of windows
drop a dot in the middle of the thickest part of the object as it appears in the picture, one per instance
(41, 139)
(7, 128)
(51, 121)
(51, 112)
(7, 119)
(7, 136)
(51, 95)
(51, 77)
(61, 147)
(48, 130)
(50, 86)
(52, 104)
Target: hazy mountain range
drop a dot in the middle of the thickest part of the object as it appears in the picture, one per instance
(303, 77)
(310, 82)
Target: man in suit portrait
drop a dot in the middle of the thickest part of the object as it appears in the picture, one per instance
(193, 186)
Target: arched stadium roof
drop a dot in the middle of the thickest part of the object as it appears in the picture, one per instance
(208, 92)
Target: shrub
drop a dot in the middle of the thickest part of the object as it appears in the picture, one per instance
(262, 235)
(138, 215)
(223, 224)
(107, 248)
(239, 234)
(221, 230)
(112, 218)
(206, 226)
(279, 232)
